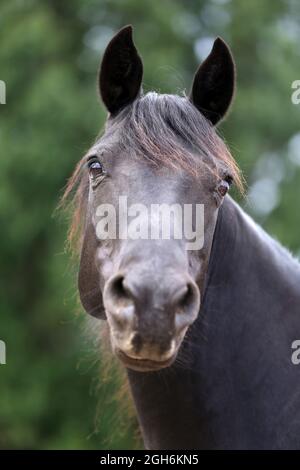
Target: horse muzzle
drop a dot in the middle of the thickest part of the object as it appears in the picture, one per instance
(148, 319)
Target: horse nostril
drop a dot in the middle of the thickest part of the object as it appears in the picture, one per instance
(187, 307)
(119, 302)
(187, 297)
(118, 290)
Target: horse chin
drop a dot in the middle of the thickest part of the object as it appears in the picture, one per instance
(143, 364)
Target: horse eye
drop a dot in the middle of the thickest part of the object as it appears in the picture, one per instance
(95, 167)
(224, 185)
(228, 180)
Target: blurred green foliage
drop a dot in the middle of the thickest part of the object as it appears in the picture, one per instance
(49, 55)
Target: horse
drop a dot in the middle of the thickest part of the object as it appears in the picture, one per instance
(204, 335)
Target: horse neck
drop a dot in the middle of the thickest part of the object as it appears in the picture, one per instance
(232, 347)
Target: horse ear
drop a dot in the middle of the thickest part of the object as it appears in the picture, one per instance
(88, 278)
(121, 72)
(214, 83)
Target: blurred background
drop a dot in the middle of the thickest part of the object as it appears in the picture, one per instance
(50, 392)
